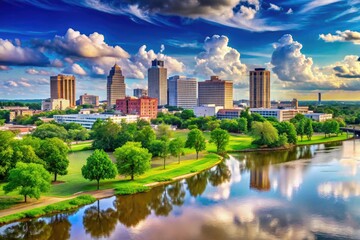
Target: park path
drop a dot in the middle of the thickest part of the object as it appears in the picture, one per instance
(44, 201)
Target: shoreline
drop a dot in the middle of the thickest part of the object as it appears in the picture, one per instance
(27, 211)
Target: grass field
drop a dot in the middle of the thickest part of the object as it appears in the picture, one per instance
(82, 146)
(320, 138)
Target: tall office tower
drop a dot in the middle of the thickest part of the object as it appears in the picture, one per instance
(216, 91)
(115, 86)
(319, 98)
(140, 92)
(63, 86)
(182, 92)
(260, 88)
(157, 81)
(89, 99)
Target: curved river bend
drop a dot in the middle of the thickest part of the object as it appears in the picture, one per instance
(311, 192)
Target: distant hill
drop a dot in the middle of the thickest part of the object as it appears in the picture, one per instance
(22, 100)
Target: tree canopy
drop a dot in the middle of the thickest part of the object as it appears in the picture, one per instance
(48, 130)
(99, 166)
(264, 133)
(196, 139)
(176, 148)
(220, 138)
(30, 179)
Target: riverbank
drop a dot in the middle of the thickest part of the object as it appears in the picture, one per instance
(154, 177)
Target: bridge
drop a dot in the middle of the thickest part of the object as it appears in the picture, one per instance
(351, 129)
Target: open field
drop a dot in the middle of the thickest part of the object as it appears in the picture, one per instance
(320, 138)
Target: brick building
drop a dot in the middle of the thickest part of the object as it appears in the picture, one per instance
(145, 107)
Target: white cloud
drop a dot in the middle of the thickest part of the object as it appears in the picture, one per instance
(274, 7)
(4, 68)
(345, 36)
(33, 71)
(290, 11)
(57, 63)
(219, 59)
(14, 54)
(316, 4)
(339, 190)
(75, 69)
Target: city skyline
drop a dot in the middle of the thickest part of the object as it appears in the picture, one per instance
(309, 46)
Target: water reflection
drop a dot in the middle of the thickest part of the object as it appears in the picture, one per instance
(264, 195)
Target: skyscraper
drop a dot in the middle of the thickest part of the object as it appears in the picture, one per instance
(157, 81)
(182, 92)
(319, 98)
(260, 88)
(216, 91)
(115, 86)
(140, 92)
(63, 86)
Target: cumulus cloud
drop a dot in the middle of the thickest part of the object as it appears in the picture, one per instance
(348, 68)
(219, 59)
(4, 68)
(73, 43)
(33, 71)
(289, 64)
(345, 36)
(75, 69)
(13, 54)
(274, 7)
(56, 63)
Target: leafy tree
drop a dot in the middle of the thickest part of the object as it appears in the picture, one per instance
(187, 114)
(30, 179)
(145, 136)
(308, 129)
(6, 152)
(105, 134)
(256, 117)
(264, 133)
(132, 159)
(160, 148)
(230, 125)
(54, 153)
(289, 129)
(213, 124)
(298, 117)
(2, 122)
(99, 166)
(331, 126)
(164, 132)
(221, 139)
(49, 130)
(248, 116)
(73, 126)
(79, 134)
(300, 128)
(176, 148)
(242, 125)
(196, 139)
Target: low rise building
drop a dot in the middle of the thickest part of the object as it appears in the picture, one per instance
(87, 120)
(228, 113)
(89, 99)
(55, 104)
(145, 107)
(18, 111)
(319, 117)
(208, 110)
(279, 114)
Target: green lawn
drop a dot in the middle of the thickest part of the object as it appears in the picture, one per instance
(81, 146)
(320, 138)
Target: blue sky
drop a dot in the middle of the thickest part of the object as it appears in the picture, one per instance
(309, 45)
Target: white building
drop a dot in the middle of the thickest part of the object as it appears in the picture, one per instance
(208, 110)
(55, 104)
(319, 117)
(280, 114)
(182, 92)
(87, 120)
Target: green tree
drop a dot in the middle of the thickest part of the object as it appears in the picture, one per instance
(187, 114)
(30, 179)
(230, 125)
(220, 138)
(54, 152)
(177, 148)
(264, 133)
(132, 159)
(105, 134)
(300, 128)
(2, 122)
(308, 129)
(99, 166)
(289, 129)
(196, 139)
(145, 136)
(164, 132)
(160, 148)
(6, 152)
(242, 125)
(49, 130)
(213, 124)
(79, 134)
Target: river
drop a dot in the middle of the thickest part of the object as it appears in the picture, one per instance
(310, 192)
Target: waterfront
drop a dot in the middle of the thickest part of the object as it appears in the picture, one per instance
(249, 196)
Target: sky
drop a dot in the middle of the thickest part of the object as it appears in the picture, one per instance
(309, 46)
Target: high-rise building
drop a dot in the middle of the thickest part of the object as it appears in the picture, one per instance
(140, 92)
(182, 92)
(115, 86)
(144, 106)
(89, 99)
(157, 81)
(216, 91)
(63, 86)
(319, 98)
(260, 88)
